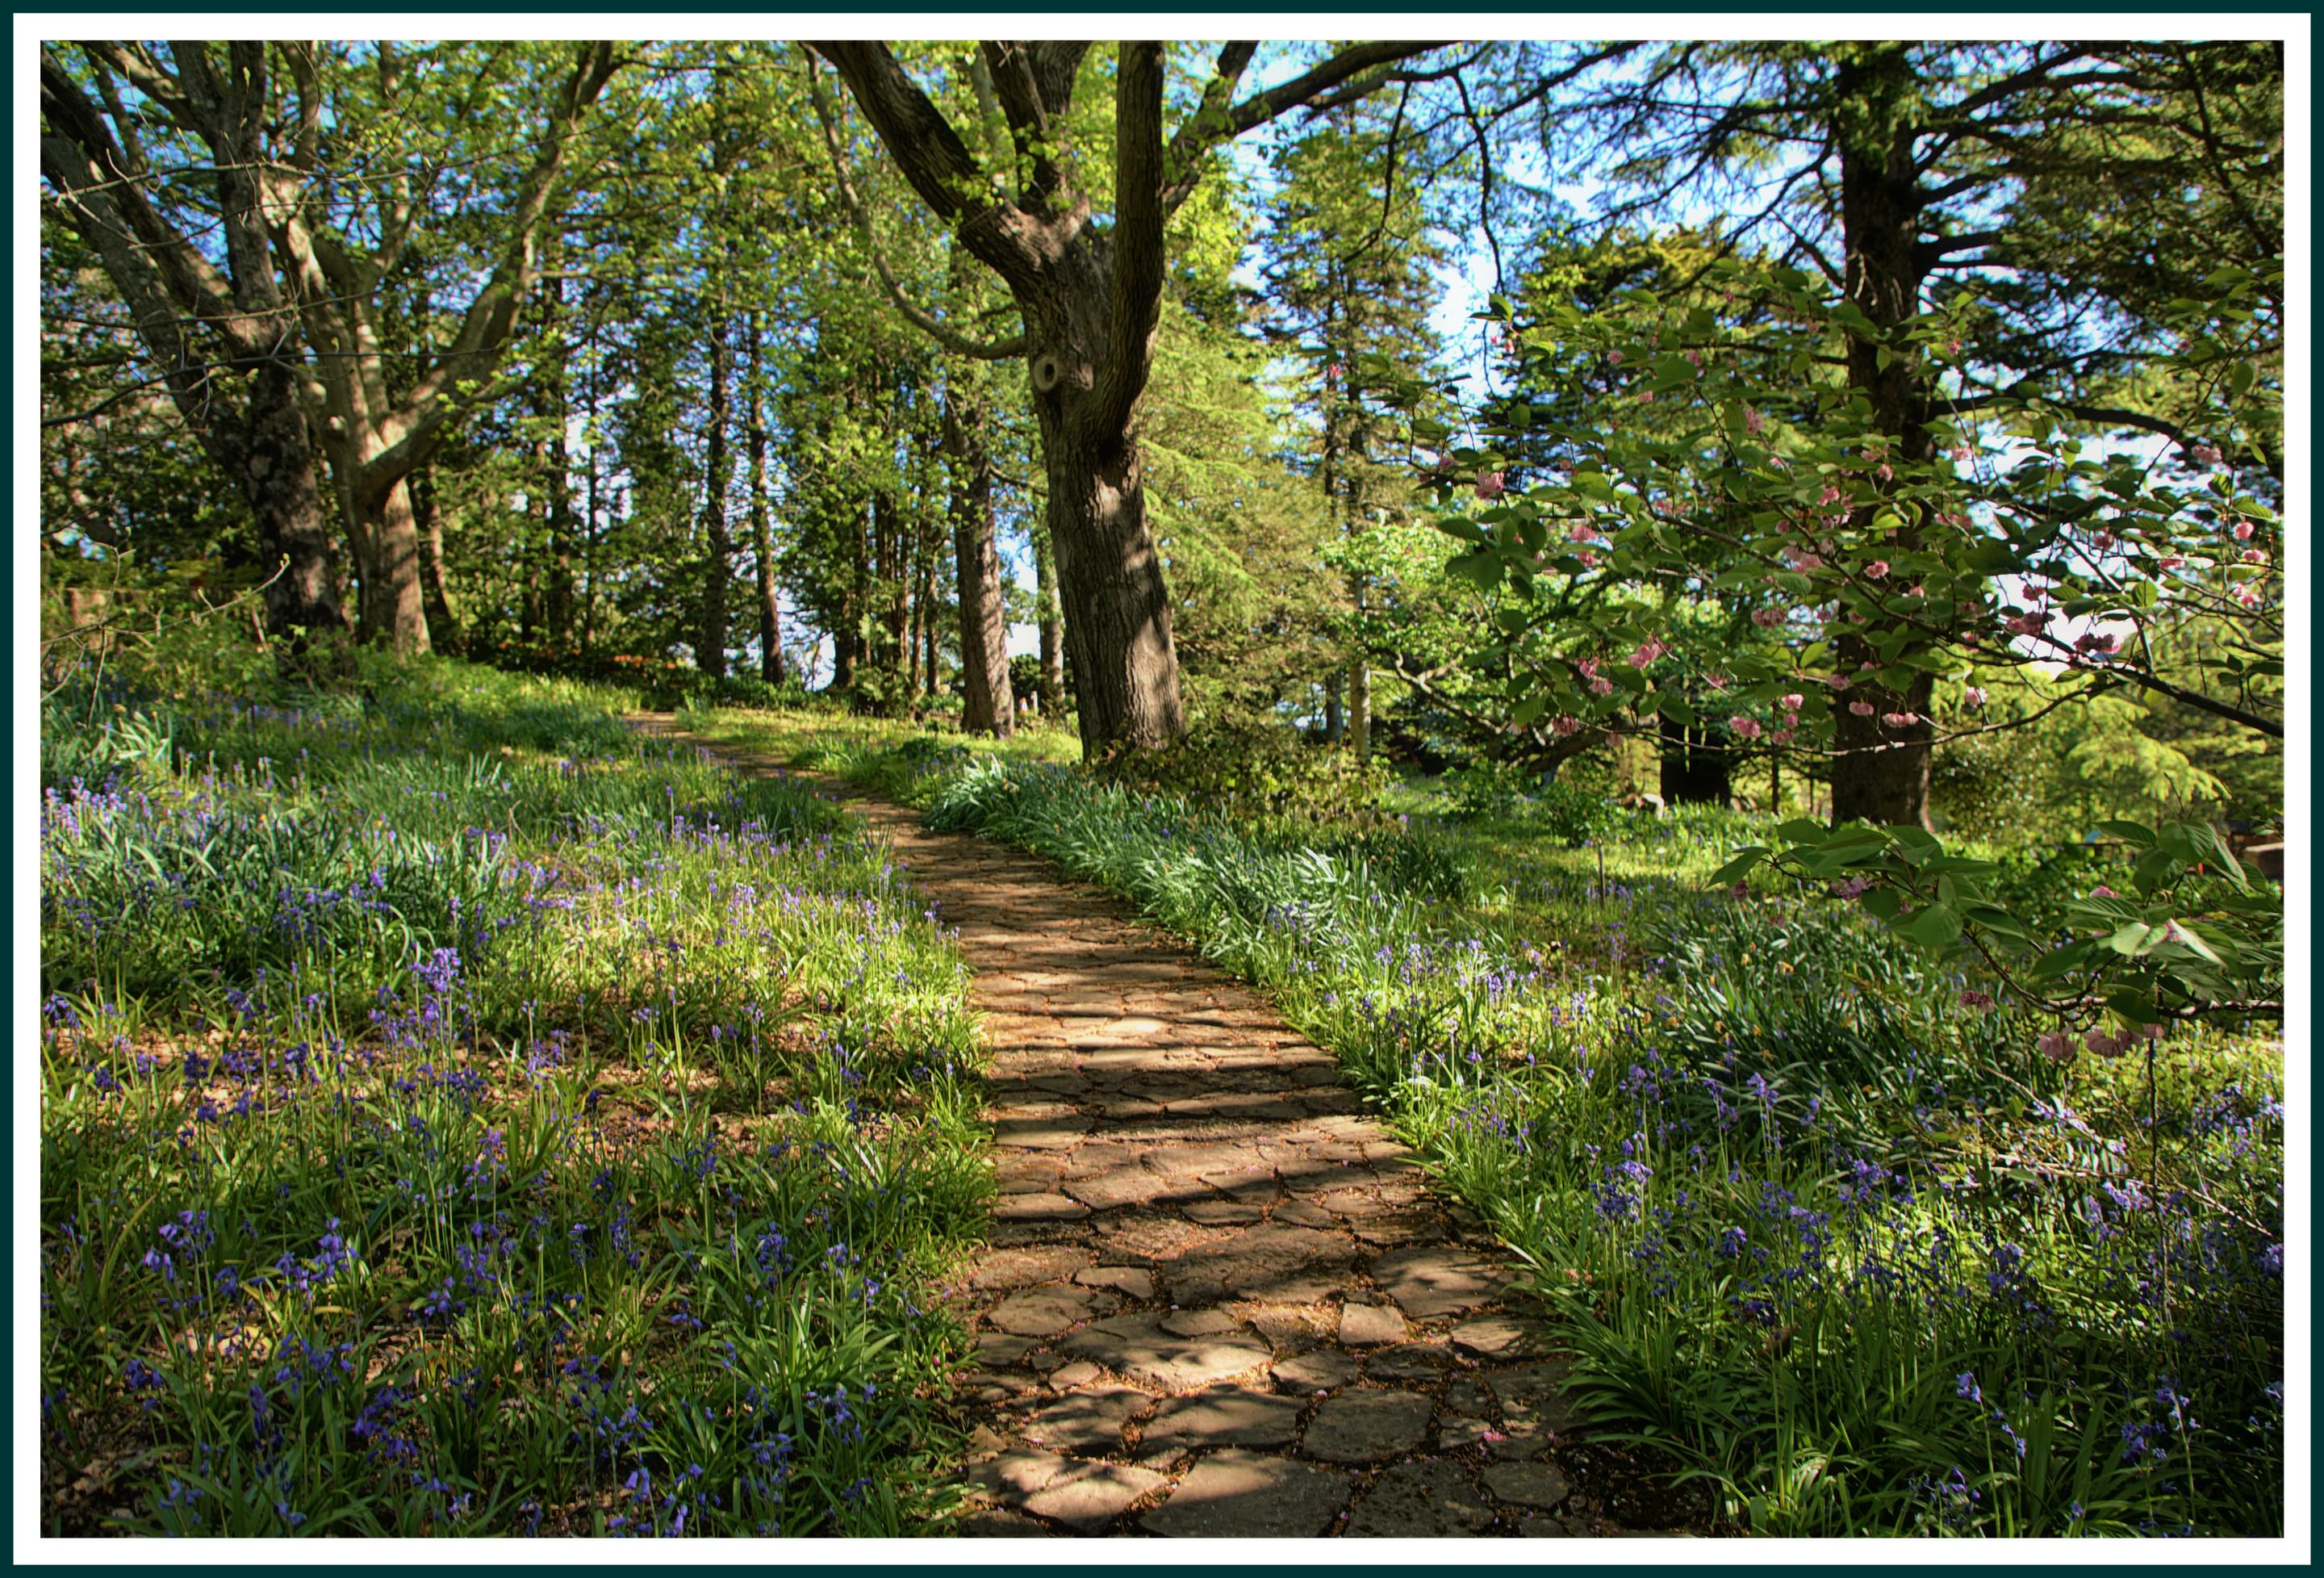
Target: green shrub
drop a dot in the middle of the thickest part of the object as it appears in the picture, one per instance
(1257, 768)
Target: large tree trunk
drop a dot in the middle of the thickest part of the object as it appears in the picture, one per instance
(718, 553)
(1125, 662)
(1884, 776)
(394, 603)
(443, 627)
(279, 480)
(770, 608)
(988, 705)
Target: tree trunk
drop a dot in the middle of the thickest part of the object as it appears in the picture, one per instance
(1333, 720)
(279, 480)
(395, 609)
(718, 555)
(443, 627)
(1886, 778)
(988, 705)
(1125, 662)
(1360, 708)
(1692, 775)
(770, 608)
(1053, 622)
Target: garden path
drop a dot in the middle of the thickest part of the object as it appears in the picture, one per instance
(1218, 1299)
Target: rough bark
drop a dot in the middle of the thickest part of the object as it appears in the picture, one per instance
(1885, 776)
(988, 702)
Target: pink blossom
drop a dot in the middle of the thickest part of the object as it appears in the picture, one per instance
(1900, 720)
(1648, 651)
(1581, 532)
(1830, 495)
(1837, 681)
(1961, 452)
(1614, 358)
(1744, 725)
(1974, 695)
(1972, 998)
(1863, 709)
(1877, 570)
(1645, 397)
(2246, 596)
(1601, 686)
(2101, 892)
(1919, 592)
(2057, 1047)
(1884, 474)
(1780, 737)
(1753, 421)
(2104, 1045)
(1338, 369)
(1589, 668)
(1491, 485)
(2254, 556)
(1588, 557)
(2171, 561)
(2203, 455)
(2027, 624)
(2242, 531)
(1792, 702)
(1767, 618)
(1695, 357)
(1565, 724)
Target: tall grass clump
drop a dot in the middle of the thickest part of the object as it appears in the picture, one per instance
(461, 1116)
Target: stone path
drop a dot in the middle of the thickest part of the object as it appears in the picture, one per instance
(1218, 1300)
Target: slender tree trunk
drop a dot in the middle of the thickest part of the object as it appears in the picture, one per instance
(718, 555)
(988, 704)
(1053, 622)
(1885, 777)
(1332, 718)
(395, 603)
(762, 548)
(1360, 708)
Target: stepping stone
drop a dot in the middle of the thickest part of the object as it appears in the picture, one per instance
(1038, 1208)
(1301, 1213)
(1265, 1261)
(1223, 1417)
(1368, 1326)
(1128, 1185)
(1044, 1312)
(1066, 1376)
(1126, 1280)
(1222, 1213)
(1325, 1370)
(1432, 1499)
(1199, 1322)
(1088, 1496)
(1534, 1396)
(1088, 1424)
(1527, 1484)
(1241, 1495)
(1137, 1346)
(1432, 1281)
(1408, 1361)
(1017, 1473)
(1496, 1337)
(1360, 1426)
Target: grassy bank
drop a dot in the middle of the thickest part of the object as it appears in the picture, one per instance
(459, 1116)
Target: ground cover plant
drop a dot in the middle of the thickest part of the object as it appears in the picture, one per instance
(1816, 1217)
(460, 1115)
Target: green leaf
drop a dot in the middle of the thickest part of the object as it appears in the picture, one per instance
(1935, 927)
(1741, 866)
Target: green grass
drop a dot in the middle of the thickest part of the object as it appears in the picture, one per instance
(1848, 1251)
(462, 1116)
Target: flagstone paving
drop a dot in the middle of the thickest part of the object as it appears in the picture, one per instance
(1220, 1300)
